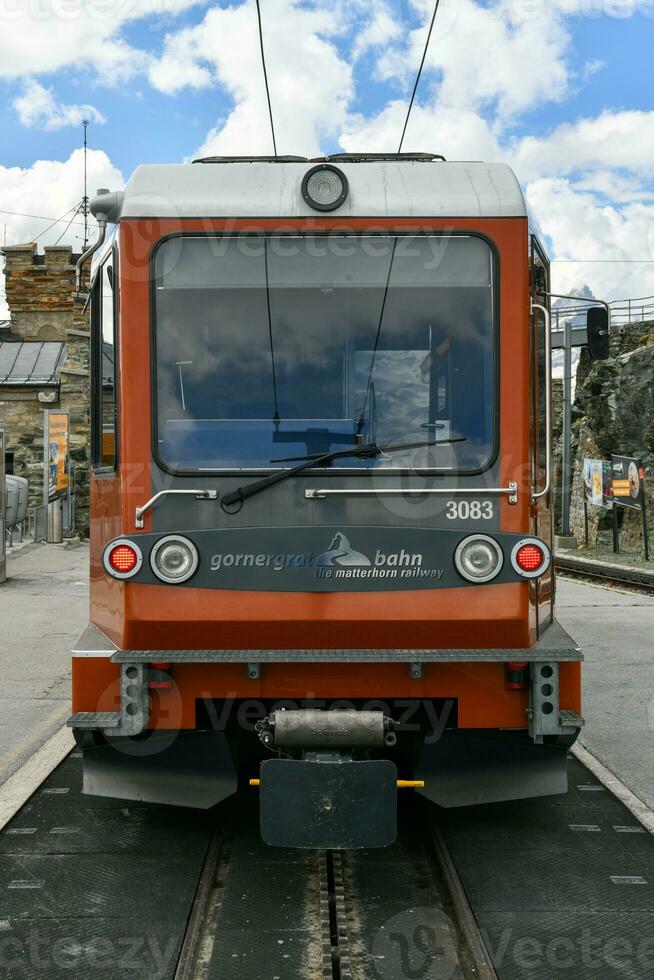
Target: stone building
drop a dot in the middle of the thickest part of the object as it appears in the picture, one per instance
(44, 364)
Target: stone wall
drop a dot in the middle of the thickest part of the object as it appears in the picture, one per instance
(616, 398)
(40, 294)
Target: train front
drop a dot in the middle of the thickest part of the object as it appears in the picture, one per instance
(320, 513)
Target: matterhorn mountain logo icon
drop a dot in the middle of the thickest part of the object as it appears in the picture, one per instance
(341, 552)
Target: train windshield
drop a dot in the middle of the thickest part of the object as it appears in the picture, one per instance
(278, 347)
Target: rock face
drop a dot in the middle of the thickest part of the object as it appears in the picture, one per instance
(616, 398)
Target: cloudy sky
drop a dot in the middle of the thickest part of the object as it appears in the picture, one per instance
(561, 89)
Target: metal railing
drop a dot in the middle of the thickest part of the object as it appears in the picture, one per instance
(634, 310)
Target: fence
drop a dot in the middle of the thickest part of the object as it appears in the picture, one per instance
(623, 313)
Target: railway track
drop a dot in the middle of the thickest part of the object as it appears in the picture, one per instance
(630, 579)
(389, 914)
(96, 889)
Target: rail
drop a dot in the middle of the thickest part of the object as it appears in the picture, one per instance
(638, 309)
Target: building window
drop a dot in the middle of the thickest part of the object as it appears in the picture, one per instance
(103, 330)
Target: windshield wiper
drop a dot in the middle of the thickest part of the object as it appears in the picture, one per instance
(365, 451)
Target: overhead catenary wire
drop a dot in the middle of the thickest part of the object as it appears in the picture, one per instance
(417, 81)
(265, 77)
(276, 416)
(362, 414)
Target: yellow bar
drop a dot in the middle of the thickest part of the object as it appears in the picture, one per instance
(401, 783)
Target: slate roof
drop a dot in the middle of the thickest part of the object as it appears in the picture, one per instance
(31, 363)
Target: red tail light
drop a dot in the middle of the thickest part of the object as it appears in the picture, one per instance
(530, 557)
(123, 559)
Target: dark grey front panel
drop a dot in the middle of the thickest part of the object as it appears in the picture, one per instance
(327, 559)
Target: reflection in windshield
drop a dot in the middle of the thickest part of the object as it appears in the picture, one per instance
(278, 347)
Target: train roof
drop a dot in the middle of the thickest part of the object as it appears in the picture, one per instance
(414, 185)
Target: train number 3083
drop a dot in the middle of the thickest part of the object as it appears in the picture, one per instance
(464, 510)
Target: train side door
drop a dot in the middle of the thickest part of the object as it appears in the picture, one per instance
(542, 518)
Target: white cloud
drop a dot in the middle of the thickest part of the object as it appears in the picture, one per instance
(50, 188)
(458, 134)
(310, 81)
(40, 36)
(38, 107)
(484, 55)
(583, 227)
(621, 140)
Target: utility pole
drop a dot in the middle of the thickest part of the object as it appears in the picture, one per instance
(85, 199)
(567, 420)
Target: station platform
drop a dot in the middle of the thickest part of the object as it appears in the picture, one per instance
(43, 608)
(615, 630)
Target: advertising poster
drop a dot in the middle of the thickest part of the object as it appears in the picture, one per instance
(628, 479)
(597, 475)
(57, 431)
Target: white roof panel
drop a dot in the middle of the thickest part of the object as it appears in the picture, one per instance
(402, 188)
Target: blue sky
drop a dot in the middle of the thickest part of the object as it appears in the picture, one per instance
(561, 89)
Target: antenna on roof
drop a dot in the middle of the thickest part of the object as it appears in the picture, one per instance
(422, 62)
(265, 78)
(85, 199)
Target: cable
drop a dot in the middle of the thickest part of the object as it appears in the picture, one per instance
(362, 414)
(276, 416)
(41, 217)
(56, 221)
(265, 77)
(422, 62)
(76, 211)
(600, 261)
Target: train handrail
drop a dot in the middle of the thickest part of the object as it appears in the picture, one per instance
(510, 491)
(153, 501)
(537, 494)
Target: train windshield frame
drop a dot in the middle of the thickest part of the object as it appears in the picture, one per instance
(271, 347)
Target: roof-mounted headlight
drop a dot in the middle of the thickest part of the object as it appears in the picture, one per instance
(324, 187)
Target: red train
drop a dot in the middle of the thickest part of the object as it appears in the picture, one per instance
(321, 520)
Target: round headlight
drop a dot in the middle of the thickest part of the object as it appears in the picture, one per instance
(324, 188)
(174, 559)
(122, 558)
(478, 558)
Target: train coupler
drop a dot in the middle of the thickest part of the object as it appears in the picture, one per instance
(324, 797)
(315, 728)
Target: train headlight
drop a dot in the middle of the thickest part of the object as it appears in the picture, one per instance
(530, 557)
(478, 558)
(324, 188)
(174, 559)
(122, 558)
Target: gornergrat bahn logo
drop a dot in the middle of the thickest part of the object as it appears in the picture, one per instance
(340, 561)
(341, 552)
